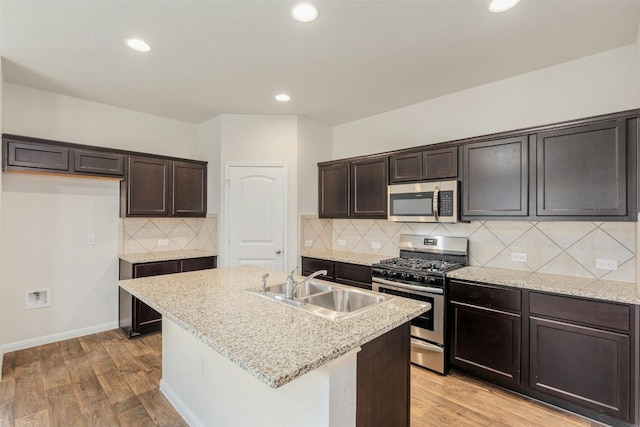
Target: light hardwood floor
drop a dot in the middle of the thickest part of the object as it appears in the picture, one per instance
(107, 380)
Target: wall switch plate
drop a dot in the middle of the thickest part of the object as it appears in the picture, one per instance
(163, 242)
(342, 242)
(308, 243)
(91, 239)
(606, 264)
(515, 256)
(375, 245)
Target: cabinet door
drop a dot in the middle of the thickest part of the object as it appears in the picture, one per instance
(442, 163)
(583, 365)
(333, 191)
(353, 275)
(196, 264)
(405, 167)
(189, 189)
(486, 342)
(581, 171)
(37, 156)
(369, 181)
(99, 163)
(311, 265)
(495, 181)
(147, 187)
(145, 318)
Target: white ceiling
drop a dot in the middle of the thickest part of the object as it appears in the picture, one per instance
(359, 58)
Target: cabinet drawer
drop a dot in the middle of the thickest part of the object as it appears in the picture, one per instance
(38, 156)
(594, 313)
(485, 296)
(309, 265)
(96, 162)
(195, 264)
(155, 268)
(353, 274)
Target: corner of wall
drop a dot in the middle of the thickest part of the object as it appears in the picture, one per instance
(1, 287)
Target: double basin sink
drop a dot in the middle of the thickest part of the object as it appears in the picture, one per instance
(324, 300)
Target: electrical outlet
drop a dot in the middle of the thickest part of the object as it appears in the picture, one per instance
(163, 242)
(91, 239)
(343, 393)
(606, 264)
(518, 257)
(375, 245)
(308, 243)
(342, 242)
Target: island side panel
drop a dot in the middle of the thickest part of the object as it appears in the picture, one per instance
(384, 380)
(209, 390)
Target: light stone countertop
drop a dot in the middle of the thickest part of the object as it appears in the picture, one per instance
(607, 290)
(165, 256)
(273, 341)
(348, 257)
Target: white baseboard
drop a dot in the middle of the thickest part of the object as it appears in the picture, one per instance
(61, 336)
(179, 405)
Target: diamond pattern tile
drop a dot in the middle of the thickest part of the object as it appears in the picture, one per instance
(566, 248)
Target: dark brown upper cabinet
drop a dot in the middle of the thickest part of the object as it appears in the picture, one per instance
(496, 178)
(97, 162)
(189, 189)
(26, 154)
(422, 165)
(582, 171)
(333, 190)
(369, 188)
(353, 189)
(146, 187)
(161, 187)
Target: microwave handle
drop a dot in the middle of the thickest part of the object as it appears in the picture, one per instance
(436, 195)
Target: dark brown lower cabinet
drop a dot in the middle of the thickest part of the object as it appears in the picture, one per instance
(357, 275)
(580, 364)
(136, 318)
(486, 342)
(575, 353)
(384, 381)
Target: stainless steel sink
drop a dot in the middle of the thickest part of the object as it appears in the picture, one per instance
(323, 300)
(307, 288)
(344, 300)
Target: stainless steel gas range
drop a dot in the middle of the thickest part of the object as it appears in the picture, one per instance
(420, 273)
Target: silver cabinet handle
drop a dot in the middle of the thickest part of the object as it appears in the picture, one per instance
(278, 251)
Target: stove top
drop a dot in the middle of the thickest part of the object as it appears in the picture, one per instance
(424, 260)
(419, 264)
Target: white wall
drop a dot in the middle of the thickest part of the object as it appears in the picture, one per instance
(314, 145)
(598, 84)
(33, 112)
(1, 283)
(209, 145)
(45, 220)
(264, 138)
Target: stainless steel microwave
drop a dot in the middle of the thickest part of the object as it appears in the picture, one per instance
(424, 202)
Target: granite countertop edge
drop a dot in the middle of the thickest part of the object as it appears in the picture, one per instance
(361, 328)
(604, 290)
(165, 256)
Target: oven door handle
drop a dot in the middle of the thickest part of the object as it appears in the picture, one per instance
(426, 346)
(411, 287)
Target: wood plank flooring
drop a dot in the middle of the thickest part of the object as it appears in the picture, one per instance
(106, 380)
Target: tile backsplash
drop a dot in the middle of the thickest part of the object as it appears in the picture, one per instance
(141, 235)
(565, 248)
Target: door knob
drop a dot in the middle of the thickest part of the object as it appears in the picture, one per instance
(278, 251)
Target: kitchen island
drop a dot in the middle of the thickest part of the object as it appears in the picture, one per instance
(235, 358)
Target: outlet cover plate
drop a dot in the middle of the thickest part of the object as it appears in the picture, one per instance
(518, 257)
(606, 264)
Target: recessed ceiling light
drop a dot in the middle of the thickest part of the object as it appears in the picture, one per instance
(304, 12)
(139, 45)
(502, 5)
(283, 97)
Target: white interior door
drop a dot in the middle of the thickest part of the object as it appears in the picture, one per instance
(256, 215)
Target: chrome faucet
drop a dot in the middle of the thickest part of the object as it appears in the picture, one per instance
(290, 287)
(263, 283)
